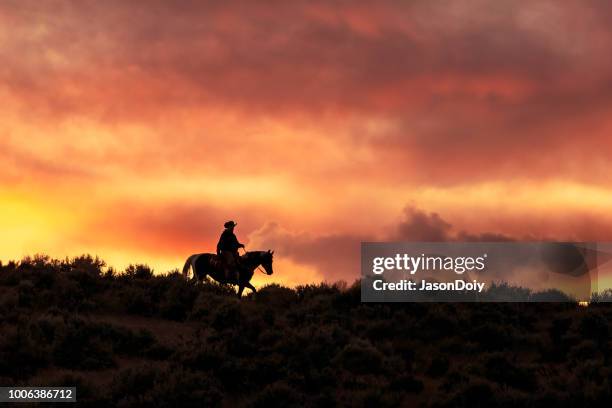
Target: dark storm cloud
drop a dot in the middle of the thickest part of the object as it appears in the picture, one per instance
(337, 256)
(304, 55)
(474, 87)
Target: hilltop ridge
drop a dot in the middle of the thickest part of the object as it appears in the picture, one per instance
(134, 337)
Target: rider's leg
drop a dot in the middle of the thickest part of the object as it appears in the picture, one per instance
(236, 266)
(229, 265)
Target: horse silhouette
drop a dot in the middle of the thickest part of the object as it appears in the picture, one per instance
(211, 265)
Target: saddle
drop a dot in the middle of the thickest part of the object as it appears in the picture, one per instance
(216, 261)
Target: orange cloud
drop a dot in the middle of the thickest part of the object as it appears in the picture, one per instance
(152, 125)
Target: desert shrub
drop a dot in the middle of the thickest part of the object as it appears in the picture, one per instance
(309, 380)
(78, 343)
(590, 372)
(75, 347)
(585, 350)
(69, 294)
(20, 355)
(202, 355)
(276, 296)
(164, 387)
(306, 292)
(9, 276)
(376, 397)
(130, 383)
(407, 383)
(436, 326)
(126, 341)
(276, 394)
(317, 345)
(38, 262)
(9, 301)
(26, 293)
(382, 329)
(498, 368)
(227, 315)
(550, 295)
(594, 325)
(86, 271)
(603, 296)
(321, 344)
(178, 387)
(453, 381)
(46, 278)
(202, 307)
(178, 299)
(360, 357)
(559, 327)
(86, 263)
(270, 368)
(491, 336)
(137, 300)
(348, 297)
(323, 398)
(439, 366)
(86, 390)
(138, 271)
(236, 375)
(503, 292)
(474, 394)
(209, 298)
(44, 328)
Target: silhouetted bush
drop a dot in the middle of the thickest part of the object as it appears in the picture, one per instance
(140, 339)
(178, 299)
(498, 368)
(408, 383)
(360, 357)
(138, 271)
(595, 326)
(438, 367)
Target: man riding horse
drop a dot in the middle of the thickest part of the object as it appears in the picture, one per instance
(227, 250)
(226, 266)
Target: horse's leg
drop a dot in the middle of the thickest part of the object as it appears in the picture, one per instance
(195, 278)
(240, 289)
(248, 285)
(199, 275)
(196, 275)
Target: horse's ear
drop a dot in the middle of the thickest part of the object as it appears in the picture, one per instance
(270, 252)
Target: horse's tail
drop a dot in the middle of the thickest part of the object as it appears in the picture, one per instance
(189, 263)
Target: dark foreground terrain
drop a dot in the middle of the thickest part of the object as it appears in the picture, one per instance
(134, 339)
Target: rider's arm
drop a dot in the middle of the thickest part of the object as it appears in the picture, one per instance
(239, 245)
(235, 242)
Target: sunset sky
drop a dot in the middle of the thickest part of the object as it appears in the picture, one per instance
(133, 130)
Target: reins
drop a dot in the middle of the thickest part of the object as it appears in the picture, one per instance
(258, 267)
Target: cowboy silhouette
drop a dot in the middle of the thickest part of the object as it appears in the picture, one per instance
(227, 250)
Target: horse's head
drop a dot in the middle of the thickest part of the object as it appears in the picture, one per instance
(266, 261)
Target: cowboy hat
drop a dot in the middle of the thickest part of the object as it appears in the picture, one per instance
(229, 224)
